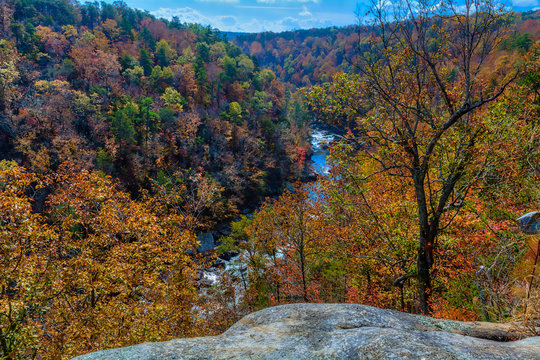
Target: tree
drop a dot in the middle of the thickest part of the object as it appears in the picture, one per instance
(164, 53)
(9, 73)
(6, 16)
(416, 100)
(173, 99)
(96, 269)
(282, 238)
(235, 112)
(97, 67)
(24, 246)
(124, 262)
(122, 122)
(146, 62)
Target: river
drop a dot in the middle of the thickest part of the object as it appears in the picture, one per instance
(320, 139)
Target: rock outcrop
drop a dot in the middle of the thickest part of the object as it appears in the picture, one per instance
(339, 331)
(206, 242)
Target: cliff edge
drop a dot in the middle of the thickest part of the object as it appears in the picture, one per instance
(339, 331)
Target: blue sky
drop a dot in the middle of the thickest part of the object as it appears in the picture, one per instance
(268, 15)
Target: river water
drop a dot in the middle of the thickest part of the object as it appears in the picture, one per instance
(320, 139)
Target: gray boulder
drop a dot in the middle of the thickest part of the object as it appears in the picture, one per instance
(339, 331)
(206, 242)
(530, 223)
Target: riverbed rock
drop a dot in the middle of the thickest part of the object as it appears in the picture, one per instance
(206, 242)
(339, 331)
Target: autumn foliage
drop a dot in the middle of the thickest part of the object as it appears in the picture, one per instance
(110, 88)
(362, 220)
(123, 136)
(95, 270)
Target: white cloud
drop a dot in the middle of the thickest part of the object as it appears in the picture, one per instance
(232, 23)
(186, 14)
(219, 1)
(288, 1)
(305, 11)
(265, 7)
(525, 3)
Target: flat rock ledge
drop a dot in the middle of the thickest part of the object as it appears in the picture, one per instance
(339, 331)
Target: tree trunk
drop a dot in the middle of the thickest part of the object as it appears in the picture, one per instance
(303, 271)
(424, 279)
(425, 243)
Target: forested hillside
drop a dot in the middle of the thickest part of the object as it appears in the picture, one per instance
(113, 89)
(124, 137)
(304, 57)
(309, 57)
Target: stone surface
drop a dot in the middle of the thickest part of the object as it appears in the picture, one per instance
(338, 331)
(206, 242)
(530, 223)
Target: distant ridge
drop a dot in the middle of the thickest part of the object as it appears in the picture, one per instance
(306, 57)
(229, 35)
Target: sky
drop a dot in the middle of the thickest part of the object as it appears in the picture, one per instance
(269, 15)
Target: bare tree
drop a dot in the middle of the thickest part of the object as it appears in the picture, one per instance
(422, 75)
(422, 78)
